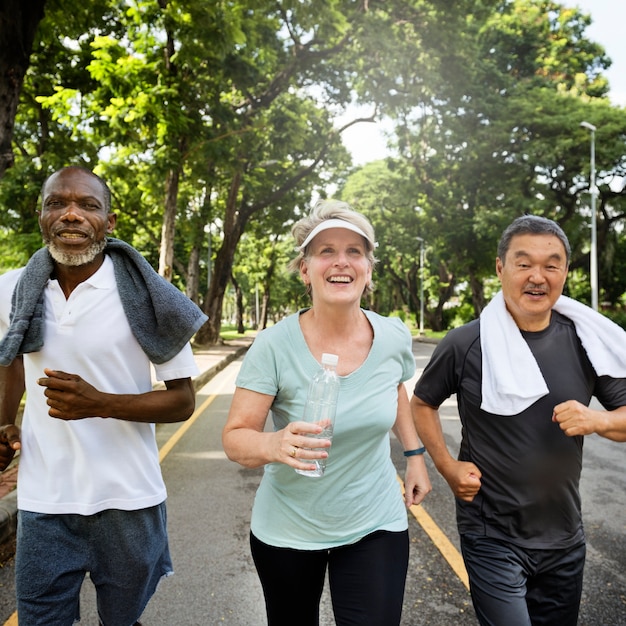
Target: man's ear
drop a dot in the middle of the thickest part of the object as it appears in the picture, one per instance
(112, 222)
(499, 266)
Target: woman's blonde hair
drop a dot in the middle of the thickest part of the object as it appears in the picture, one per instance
(332, 209)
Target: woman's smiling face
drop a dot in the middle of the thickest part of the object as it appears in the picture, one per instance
(336, 266)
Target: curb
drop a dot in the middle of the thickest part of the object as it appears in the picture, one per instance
(432, 340)
(202, 379)
(8, 516)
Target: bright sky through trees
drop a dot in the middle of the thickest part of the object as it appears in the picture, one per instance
(366, 142)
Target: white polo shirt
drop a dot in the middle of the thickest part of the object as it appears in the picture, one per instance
(89, 465)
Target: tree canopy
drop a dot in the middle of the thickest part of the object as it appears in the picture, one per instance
(215, 125)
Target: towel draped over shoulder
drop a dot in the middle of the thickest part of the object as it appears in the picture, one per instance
(161, 318)
(511, 378)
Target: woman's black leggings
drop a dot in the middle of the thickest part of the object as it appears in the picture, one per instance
(366, 581)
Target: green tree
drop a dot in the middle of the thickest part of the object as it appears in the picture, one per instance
(225, 114)
(505, 139)
(18, 23)
(384, 191)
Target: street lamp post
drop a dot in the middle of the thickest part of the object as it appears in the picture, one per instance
(593, 260)
(421, 285)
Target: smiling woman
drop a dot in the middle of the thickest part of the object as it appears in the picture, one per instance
(336, 215)
(351, 520)
(336, 256)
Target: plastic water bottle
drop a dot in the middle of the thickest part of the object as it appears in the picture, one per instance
(320, 407)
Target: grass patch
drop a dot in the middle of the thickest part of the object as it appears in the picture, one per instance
(429, 334)
(230, 332)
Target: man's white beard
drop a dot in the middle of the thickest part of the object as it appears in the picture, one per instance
(76, 259)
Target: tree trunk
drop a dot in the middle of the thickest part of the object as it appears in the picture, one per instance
(413, 285)
(18, 24)
(166, 257)
(478, 294)
(192, 286)
(447, 283)
(269, 275)
(239, 313)
(265, 307)
(241, 328)
(210, 332)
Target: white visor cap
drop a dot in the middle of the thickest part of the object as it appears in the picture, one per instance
(335, 223)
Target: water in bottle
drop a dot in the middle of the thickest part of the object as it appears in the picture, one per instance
(320, 407)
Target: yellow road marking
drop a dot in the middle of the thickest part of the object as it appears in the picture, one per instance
(441, 541)
(176, 437)
(163, 452)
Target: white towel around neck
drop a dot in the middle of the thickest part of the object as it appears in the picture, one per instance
(512, 380)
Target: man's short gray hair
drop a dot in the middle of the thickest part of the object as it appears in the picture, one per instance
(532, 225)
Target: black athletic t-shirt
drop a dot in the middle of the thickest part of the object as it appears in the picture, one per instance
(530, 468)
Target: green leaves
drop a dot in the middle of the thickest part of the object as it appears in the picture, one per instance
(226, 113)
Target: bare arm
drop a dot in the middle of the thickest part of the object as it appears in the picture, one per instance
(11, 392)
(245, 441)
(575, 418)
(463, 477)
(72, 398)
(416, 481)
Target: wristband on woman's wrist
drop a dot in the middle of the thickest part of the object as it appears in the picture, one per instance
(415, 452)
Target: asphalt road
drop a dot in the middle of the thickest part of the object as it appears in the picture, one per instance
(209, 505)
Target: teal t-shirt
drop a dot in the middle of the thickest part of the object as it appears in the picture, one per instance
(359, 492)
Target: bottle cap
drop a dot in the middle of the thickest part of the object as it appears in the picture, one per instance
(329, 359)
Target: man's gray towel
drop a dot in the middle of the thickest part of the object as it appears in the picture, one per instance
(161, 318)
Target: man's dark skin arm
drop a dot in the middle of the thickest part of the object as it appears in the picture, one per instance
(11, 392)
(72, 398)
